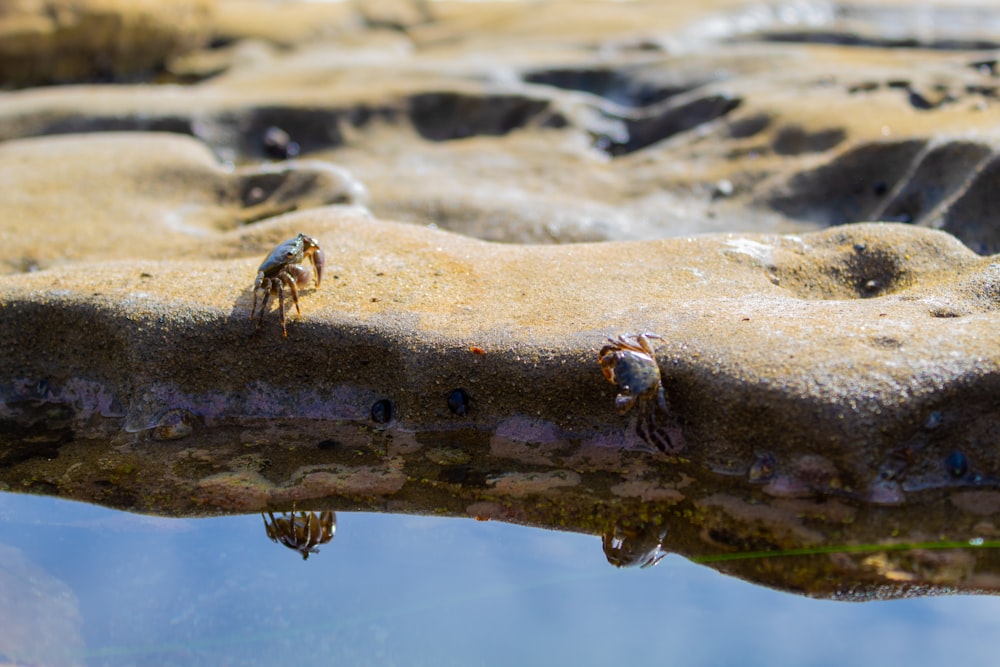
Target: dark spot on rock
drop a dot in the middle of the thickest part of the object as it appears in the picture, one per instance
(328, 445)
(382, 411)
(113, 495)
(863, 87)
(887, 342)
(464, 475)
(44, 488)
(945, 312)
(278, 144)
(957, 464)
(458, 402)
(741, 128)
(726, 537)
(880, 188)
(874, 272)
(794, 140)
(762, 469)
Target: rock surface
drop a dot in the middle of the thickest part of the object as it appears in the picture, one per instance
(824, 383)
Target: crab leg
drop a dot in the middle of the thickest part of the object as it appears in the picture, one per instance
(256, 287)
(289, 280)
(267, 296)
(281, 309)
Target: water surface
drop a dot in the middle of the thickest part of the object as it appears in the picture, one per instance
(409, 590)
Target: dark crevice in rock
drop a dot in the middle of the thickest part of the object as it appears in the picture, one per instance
(943, 172)
(845, 38)
(447, 115)
(850, 188)
(795, 140)
(35, 428)
(619, 86)
(78, 124)
(744, 128)
(309, 129)
(950, 186)
(248, 133)
(928, 97)
(985, 66)
(972, 217)
(666, 120)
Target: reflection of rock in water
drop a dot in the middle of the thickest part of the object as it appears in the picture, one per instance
(39, 617)
(302, 531)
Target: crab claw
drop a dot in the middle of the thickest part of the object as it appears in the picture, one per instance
(317, 260)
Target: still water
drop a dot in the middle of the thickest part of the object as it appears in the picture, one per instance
(84, 585)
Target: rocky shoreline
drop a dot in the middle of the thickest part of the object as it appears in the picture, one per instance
(810, 244)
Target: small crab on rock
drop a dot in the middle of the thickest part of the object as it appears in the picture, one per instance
(633, 368)
(285, 267)
(301, 531)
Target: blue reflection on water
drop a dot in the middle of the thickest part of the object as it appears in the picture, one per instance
(407, 590)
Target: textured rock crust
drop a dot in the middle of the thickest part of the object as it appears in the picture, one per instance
(826, 384)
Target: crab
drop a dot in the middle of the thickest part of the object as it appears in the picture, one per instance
(302, 531)
(632, 367)
(285, 267)
(630, 546)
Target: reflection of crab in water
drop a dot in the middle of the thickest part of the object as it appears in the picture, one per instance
(634, 369)
(301, 531)
(285, 267)
(625, 547)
